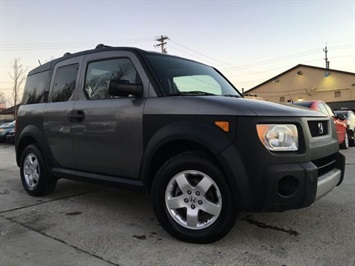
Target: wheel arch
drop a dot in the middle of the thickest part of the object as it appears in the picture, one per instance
(33, 135)
(173, 140)
(164, 152)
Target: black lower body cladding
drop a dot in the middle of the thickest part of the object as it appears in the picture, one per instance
(283, 186)
(289, 186)
(293, 186)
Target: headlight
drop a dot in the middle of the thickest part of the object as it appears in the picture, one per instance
(278, 137)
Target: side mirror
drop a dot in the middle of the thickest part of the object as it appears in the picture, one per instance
(124, 88)
(341, 116)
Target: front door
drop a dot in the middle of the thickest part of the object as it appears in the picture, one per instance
(108, 138)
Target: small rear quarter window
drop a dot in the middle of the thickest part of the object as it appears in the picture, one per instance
(35, 86)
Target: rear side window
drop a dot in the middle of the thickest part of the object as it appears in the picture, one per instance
(64, 83)
(35, 86)
(99, 74)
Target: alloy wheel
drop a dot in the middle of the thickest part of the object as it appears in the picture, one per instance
(193, 199)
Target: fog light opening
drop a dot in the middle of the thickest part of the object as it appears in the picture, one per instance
(287, 186)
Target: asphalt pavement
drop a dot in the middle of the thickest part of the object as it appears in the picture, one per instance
(85, 224)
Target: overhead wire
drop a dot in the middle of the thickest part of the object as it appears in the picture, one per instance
(225, 66)
(62, 45)
(228, 66)
(264, 62)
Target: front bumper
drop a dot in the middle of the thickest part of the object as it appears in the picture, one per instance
(293, 186)
(327, 182)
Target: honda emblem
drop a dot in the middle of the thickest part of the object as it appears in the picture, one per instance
(320, 128)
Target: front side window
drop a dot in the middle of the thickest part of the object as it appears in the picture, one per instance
(64, 83)
(100, 73)
(178, 76)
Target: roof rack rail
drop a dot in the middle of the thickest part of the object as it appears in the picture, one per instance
(67, 53)
(99, 46)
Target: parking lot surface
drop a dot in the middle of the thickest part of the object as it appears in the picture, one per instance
(84, 224)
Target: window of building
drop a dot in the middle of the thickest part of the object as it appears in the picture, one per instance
(337, 94)
(100, 73)
(64, 83)
(282, 99)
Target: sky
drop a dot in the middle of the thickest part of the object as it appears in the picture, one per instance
(248, 41)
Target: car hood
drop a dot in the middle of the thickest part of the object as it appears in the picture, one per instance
(222, 105)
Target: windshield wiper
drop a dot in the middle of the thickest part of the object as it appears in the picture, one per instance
(197, 93)
(232, 95)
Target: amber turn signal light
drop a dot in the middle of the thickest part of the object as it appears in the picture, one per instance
(224, 125)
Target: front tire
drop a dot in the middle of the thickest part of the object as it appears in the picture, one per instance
(34, 173)
(192, 200)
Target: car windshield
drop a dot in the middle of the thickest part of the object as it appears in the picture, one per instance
(180, 76)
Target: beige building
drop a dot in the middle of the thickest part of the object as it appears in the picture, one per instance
(303, 82)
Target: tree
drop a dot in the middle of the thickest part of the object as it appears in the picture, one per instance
(18, 76)
(2, 100)
(2, 97)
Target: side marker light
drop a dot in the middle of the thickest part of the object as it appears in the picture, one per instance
(224, 125)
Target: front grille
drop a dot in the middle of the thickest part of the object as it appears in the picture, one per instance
(325, 164)
(318, 128)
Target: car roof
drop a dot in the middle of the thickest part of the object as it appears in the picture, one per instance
(49, 65)
(99, 48)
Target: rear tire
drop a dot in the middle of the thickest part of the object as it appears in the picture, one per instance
(34, 173)
(192, 200)
(352, 139)
(345, 144)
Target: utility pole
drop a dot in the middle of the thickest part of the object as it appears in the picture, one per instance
(325, 50)
(162, 40)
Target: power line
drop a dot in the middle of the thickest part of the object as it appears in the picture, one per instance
(278, 59)
(264, 62)
(245, 67)
(75, 43)
(65, 45)
(211, 58)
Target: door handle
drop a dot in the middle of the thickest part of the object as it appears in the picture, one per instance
(76, 116)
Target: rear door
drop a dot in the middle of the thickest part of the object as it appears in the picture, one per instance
(109, 138)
